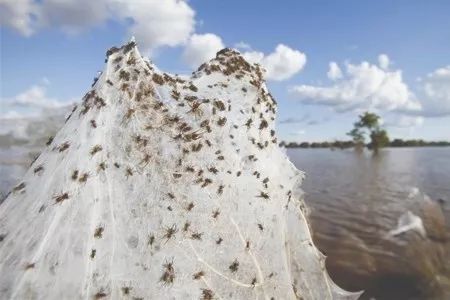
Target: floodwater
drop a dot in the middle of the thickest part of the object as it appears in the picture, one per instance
(355, 199)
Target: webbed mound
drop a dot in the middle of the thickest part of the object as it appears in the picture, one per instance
(163, 187)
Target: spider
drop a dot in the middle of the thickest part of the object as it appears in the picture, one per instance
(198, 275)
(170, 232)
(61, 197)
(195, 108)
(95, 149)
(234, 266)
(263, 195)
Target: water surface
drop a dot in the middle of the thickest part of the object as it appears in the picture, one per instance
(356, 199)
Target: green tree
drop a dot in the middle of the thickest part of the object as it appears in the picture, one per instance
(358, 137)
(369, 123)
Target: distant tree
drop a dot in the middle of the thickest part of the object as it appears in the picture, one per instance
(369, 123)
(358, 137)
(304, 145)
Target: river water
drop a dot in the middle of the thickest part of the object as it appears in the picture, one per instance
(355, 199)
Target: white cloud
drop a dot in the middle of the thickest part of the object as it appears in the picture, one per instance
(404, 121)
(436, 92)
(242, 46)
(201, 48)
(281, 64)
(159, 23)
(35, 97)
(154, 22)
(334, 72)
(31, 102)
(363, 87)
(383, 61)
(17, 14)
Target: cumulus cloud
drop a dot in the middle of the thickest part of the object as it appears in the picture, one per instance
(242, 46)
(364, 86)
(436, 92)
(201, 48)
(32, 102)
(153, 22)
(18, 14)
(383, 61)
(281, 64)
(334, 72)
(404, 121)
(159, 23)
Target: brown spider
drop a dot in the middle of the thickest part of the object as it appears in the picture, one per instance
(129, 113)
(263, 195)
(170, 232)
(263, 124)
(234, 266)
(98, 232)
(220, 190)
(74, 175)
(49, 141)
(83, 177)
(198, 275)
(129, 172)
(206, 182)
(100, 295)
(190, 169)
(190, 206)
(61, 197)
(95, 149)
(196, 236)
(186, 226)
(146, 159)
(249, 123)
(222, 121)
(38, 169)
(216, 213)
(168, 275)
(195, 108)
(207, 294)
(151, 240)
(126, 290)
(102, 166)
(64, 146)
(220, 105)
(213, 170)
(196, 147)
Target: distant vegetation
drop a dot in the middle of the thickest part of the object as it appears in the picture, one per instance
(368, 124)
(351, 144)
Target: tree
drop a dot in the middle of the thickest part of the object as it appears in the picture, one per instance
(358, 137)
(369, 123)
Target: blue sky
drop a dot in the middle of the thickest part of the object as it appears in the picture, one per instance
(58, 48)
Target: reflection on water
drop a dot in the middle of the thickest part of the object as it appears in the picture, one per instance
(356, 199)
